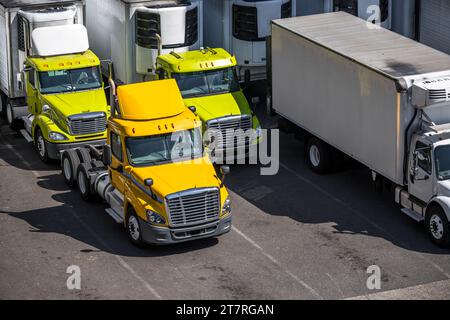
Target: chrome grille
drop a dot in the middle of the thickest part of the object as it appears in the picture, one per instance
(229, 137)
(87, 123)
(193, 206)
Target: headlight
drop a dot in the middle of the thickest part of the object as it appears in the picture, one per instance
(226, 209)
(155, 218)
(56, 136)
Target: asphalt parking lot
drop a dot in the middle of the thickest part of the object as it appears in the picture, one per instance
(296, 235)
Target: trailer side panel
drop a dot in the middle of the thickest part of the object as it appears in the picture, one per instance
(348, 105)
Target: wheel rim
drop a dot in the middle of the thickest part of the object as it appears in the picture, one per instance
(82, 182)
(437, 227)
(314, 155)
(133, 228)
(9, 114)
(41, 145)
(67, 168)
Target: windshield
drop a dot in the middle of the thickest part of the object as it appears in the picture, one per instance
(197, 84)
(69, 80)
(181, 145)
(442, 155)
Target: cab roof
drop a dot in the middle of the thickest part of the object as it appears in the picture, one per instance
(197, 60)
(65, 62)
(150, 100)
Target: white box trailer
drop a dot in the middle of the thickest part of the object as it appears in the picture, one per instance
(126, 32)
(374, 95)
(18, 18)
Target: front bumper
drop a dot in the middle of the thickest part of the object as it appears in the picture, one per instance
(54, 150)
(164, 236)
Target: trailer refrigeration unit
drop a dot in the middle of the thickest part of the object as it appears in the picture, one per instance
(241, 28)
(374, 95)
(18, 19)
(131, 33)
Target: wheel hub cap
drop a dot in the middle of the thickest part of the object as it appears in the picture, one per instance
(314, 156)
(67, 169)
(41, 146)
(133, 227)
(9, 114)
(437, 227)
(81, 183)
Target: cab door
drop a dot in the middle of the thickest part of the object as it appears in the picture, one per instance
(32, 92)
(117, 170)
(421, 172)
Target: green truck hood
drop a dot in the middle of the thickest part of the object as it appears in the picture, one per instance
(217, 106)
(69, 104)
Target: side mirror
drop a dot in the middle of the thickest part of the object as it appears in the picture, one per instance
(255, 102)
(193, 109)
(45, 108)
(20, 80)
(224, 170)
(148, 182)
(107, 155)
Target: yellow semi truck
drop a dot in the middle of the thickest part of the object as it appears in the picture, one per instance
(209, 84)
(49, 79)
(153, 172)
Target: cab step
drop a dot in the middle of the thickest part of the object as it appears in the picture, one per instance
(412, 214)
(114, 215)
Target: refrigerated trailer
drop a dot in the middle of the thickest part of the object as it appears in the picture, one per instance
(241, 27)
(376, 96)
(18, 19)
(133, 33)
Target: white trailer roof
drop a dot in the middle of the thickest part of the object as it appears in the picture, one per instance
(377, 48)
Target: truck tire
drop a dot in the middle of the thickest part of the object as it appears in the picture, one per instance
(319, 156)
(41, 147)
(438, 226)
(84, 155)
(10, 117)
(133, 227)
(69, 164)
(83, 181)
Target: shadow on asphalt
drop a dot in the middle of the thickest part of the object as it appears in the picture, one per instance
(289, 196)
(85, 222)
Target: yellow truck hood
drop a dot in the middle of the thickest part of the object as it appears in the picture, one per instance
(69, 104)
(176, 177)
(217, 106)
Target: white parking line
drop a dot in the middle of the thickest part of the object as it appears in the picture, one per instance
(277, 263)
(96, 236)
